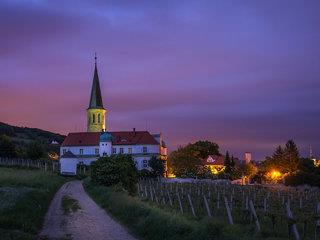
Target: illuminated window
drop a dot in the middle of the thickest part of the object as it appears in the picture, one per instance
(130, 150)
(96, 151)
(99, 118)
(145, 150)
(81, 151)
(121, 150)
(93, 118)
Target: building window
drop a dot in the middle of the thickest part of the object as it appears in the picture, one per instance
(64, 151)
(96, 151)
(121, 150)
(114, 150)
(144, 149)
(145, 161)
(130, 150)
(99, 118)
(81, 151)
(104, 154)
(145, 165)
(93, 118)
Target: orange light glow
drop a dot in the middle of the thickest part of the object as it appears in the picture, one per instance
(274, 175)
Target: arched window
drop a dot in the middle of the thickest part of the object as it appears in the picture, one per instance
(93, 118)
(99, 118)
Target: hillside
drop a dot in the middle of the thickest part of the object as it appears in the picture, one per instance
(25, 133)
(22, 137)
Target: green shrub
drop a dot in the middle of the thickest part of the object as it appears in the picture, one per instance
(115, 170)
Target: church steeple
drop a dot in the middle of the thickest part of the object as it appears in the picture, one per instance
(95, 98)
(96, 114)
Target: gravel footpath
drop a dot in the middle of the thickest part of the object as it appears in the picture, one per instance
(89, 222)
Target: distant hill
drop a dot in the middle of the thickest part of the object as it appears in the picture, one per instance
(27, 134)
(21, 137)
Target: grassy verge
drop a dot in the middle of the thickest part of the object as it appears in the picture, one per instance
(69, 205)
(150, 222)
(25, 196)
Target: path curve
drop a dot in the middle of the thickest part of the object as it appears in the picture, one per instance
(89, 222)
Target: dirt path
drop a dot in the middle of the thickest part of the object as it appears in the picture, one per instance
(89, 222)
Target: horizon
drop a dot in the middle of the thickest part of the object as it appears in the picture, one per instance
(247, 80)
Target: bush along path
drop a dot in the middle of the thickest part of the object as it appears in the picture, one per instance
(74, 215)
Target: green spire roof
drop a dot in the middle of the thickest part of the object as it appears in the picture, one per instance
(95, 98)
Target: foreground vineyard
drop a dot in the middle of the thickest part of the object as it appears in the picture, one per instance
(273, 211)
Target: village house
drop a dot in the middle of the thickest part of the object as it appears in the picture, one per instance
(215, 163)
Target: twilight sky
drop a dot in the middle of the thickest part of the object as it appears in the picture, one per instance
(242, 73)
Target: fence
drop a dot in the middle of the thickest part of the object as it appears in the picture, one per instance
(277, 211)
(44, 165)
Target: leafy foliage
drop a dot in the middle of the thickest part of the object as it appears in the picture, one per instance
(157, 167)
(115, 170)
(186, 160)
(7, 148)
(35, 150)
(247, 170)
(285, 160)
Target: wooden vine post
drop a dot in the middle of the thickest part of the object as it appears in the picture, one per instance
(292, 223)
(207, 206)
(191, 206)
(179, 201)
(253, 211)
(318, 221)
(228, 211)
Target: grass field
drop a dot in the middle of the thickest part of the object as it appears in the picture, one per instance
(24, 199)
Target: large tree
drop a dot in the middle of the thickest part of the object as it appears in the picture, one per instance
(185, 161)
(227, 163)
(7, 147)
(157, 166)
(35, 150)
(205, 148)
(284, 159)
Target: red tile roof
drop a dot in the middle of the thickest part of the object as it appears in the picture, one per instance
(119, 138)
(82, 139)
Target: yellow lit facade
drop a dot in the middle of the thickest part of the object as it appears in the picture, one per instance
(214, 163)
(215, 169)
(96, 120)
